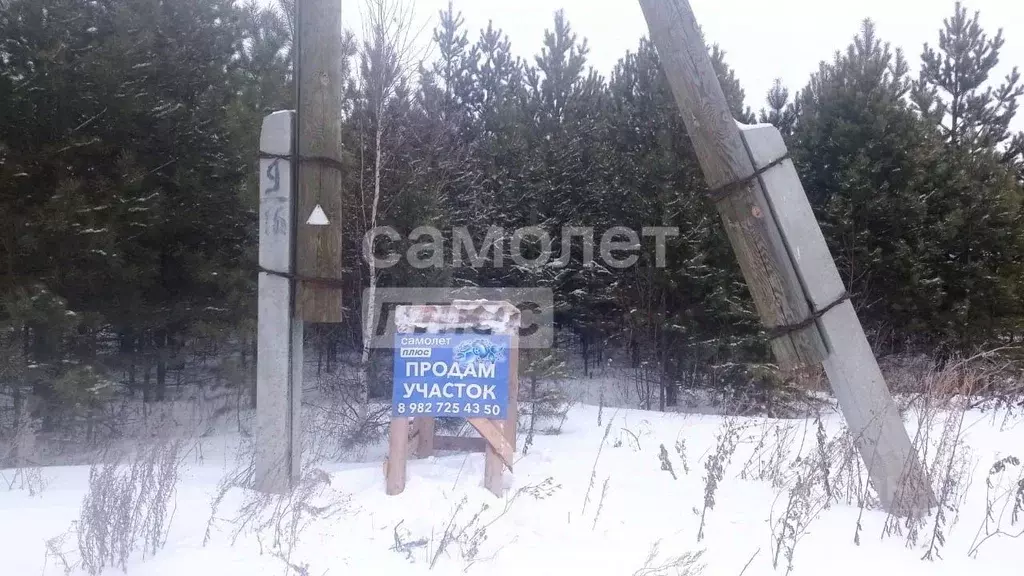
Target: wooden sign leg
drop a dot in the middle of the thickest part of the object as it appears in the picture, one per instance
(398, 447)
(493, 468)
(512, 422)
(423, 428)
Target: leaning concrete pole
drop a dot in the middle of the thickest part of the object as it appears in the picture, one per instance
(784, 259)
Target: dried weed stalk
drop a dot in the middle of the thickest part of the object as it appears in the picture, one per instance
(468, 535)
(1004, 495)
(128, 507)
(728, 439)
(688, 564)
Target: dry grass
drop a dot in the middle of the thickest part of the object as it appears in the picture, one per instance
(128, 507)
(276, 521)
(17, 455)
(687, 564)
(715, 466)
(989, 379)
(467, 535)
(1004, 503)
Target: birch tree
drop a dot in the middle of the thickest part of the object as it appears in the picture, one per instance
(389, 58)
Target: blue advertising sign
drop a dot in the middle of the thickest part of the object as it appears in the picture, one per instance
(455, 375)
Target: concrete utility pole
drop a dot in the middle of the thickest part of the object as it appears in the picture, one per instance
(318, 94)
(784, 259)
(279, 333)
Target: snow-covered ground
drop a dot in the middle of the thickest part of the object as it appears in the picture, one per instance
(593, 500)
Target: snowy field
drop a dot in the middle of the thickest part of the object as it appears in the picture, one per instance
(597, 498)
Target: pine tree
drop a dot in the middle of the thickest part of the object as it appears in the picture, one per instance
(953, 87)
(781, 112)
(559, 187)
(125, 189)
(693, 311)
(925, 231)
(862, 155)
(979, 218)
(731, 87)
(498, 152)
(446, 133)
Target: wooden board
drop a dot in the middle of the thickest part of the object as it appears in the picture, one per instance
(459, 443)
(423, 431)
(493, 432)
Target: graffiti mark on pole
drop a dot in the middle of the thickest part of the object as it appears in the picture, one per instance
(274, 173)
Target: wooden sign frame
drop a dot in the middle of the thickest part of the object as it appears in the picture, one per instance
(416, 435)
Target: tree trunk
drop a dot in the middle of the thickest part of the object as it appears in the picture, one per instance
(533, 413)
(161, 379)
(319, 339)
(332, 345)
(662, 352)
(147, 390)
(161, 364)
(584, 349)
(672, 394)
(16, 398)
(244, 355)
(252, 374)
(127, 351)
(371, 293)
(132, 385)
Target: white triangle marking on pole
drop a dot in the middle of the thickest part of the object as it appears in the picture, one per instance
(317, 217)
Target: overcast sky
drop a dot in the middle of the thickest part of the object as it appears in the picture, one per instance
(763, 40)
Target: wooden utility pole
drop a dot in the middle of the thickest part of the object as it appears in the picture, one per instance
(740, 201)
(318, 96)
(784, 259)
